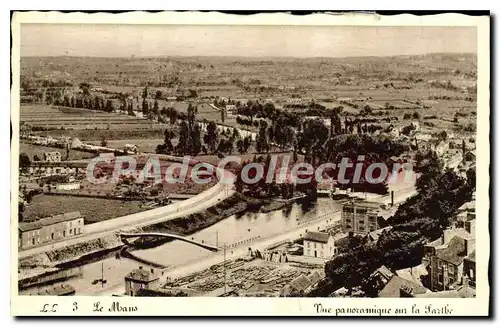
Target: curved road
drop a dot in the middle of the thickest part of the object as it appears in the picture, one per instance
(198, 203)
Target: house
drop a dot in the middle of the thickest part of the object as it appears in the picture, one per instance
(68, 186)
(130, 149)
(319, 245)
(294, 101)
(469, 271)
(413, 274)
(446, 266)
(373, 236)
(432, 247)
(230, 108)
(466, 213)
(140, 279)
(52, 156)
(398, 287)
(382, 275)
(50, 229)
(301, 284)
(470, 156)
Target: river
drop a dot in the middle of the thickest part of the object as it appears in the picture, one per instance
(231, 230)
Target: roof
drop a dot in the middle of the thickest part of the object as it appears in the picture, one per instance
(413, 274)
(376, 234)
(453, 253)
(314, 277)
(393, 287)
(384, 271)
(363, 204)
(28, 226)
(387, 213)
(300, 283)
(317, 237)
(469, 206)
(472, 256)
(143, 275)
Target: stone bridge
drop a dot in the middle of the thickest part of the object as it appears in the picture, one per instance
(124, 235)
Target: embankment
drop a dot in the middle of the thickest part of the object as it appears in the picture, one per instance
(101, 248)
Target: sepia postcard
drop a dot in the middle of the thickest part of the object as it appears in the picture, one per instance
(212, 164)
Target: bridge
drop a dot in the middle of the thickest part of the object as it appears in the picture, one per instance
(124, 235)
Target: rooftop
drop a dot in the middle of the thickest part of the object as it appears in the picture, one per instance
(300, 283)
(413, 274)
(472, 256)
(317, 237)
(143, 275)
(393, 288)
(28, 226)
(384, 271)
(454, 252)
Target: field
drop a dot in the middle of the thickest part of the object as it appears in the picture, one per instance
(93, 209)
(50, 117)
(31, 150)
(442, 85)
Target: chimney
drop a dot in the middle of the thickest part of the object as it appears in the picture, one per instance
(392, 197)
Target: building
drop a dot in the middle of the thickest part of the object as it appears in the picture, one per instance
(469, 272)
(364, 217)
(230, 108)
(319, 245)
(373, 236)
(466, 214)
(140, 279)
(446, 265)
(294, 101)
(398, 287)
(382, 275)
(68, 186)
(301, 284)
(52, 156)
(50, 229)
(130, 149)
(414, 274)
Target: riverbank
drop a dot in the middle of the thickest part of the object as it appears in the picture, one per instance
(93, 250)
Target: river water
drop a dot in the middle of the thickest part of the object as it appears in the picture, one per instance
(229, 231)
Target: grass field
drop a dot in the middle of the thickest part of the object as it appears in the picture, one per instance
(51, 117)
(93, 209)
(32, 150)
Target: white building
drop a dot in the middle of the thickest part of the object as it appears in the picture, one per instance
(319, 245)
(68, 186)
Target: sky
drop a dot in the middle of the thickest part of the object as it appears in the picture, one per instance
(250, 41)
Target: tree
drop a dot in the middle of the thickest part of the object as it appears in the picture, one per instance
(210, 137)
(24, 162)
(85, 87)
(262, 142)
(155, 107)
(145, 107)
